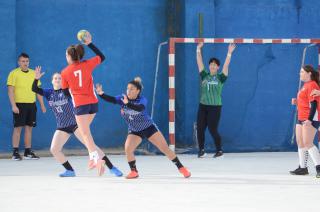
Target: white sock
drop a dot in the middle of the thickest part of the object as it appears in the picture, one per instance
(94, 156)
(306, 154)
(314, 154)
(303, 159)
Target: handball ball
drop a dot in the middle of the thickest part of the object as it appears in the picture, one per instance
(82, 35)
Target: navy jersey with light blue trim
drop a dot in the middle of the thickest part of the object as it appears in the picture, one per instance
(62, 107)
(137, 121)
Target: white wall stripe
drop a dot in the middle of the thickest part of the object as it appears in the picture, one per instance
(228, 40)
(286, 41)
(189, 40)
(171, 105)
(171, 59)
(171, 128)
(171, 82)
(305, 40)
(208, 40)
(267, 41)
(247, 40)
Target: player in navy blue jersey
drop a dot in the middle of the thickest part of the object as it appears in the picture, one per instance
(62, 107)
(140, 125)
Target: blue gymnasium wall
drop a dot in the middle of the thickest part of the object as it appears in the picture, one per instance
(256, 116)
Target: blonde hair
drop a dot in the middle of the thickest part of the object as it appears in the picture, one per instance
(54, 75)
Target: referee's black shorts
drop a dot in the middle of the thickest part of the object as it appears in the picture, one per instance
(27, 115)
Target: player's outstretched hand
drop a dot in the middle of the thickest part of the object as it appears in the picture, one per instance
(231, 48)
(38, 73)
(125, 99)
(88, 39)
(99, 89)
(43, 109)
(200, 45)
(15, 109)
(315, 93)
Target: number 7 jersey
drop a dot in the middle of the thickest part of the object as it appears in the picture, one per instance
(77, 77)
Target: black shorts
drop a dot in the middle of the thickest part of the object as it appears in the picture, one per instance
(315, 124)
(86, 109)
(146, 133)
(70, 129)
(27, 115)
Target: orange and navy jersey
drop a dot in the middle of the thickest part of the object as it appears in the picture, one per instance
(304, 99)
(77, 77)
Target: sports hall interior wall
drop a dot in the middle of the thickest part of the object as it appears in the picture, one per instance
(256, 115)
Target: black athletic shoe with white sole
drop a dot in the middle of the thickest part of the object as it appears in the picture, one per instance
(16, 156)
(201, 153)
(30, 156)
(300, 171)
(218, 154)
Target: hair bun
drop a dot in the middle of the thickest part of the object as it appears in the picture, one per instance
(138, 80)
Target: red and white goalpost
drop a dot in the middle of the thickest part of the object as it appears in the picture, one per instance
(172, 43)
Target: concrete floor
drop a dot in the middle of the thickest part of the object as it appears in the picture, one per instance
(238, 182)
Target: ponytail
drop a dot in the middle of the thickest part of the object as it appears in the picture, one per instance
(76, 52)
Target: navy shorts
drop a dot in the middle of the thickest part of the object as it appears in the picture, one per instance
(146, 133)
(70, 129)
(315, 124)
(86, 109)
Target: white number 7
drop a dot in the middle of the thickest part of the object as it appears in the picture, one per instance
(79, 73)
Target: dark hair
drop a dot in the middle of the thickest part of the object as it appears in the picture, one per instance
(23, 55)
(214, 60)
(137, 82)
(314, 74)
(76, 52)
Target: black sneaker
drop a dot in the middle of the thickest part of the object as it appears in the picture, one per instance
(30, 155)
(318, 171)
(218, 154)
(300, 171)
(201, 153)
(16, 156)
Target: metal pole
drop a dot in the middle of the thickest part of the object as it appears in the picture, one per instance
(299, 87)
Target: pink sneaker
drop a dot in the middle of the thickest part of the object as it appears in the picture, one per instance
(184, 171)
(132, 175)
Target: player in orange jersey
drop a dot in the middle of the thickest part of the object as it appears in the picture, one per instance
(308, 120)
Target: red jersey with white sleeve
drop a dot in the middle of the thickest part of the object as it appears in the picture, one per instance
(77, 77)
(304, 99)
